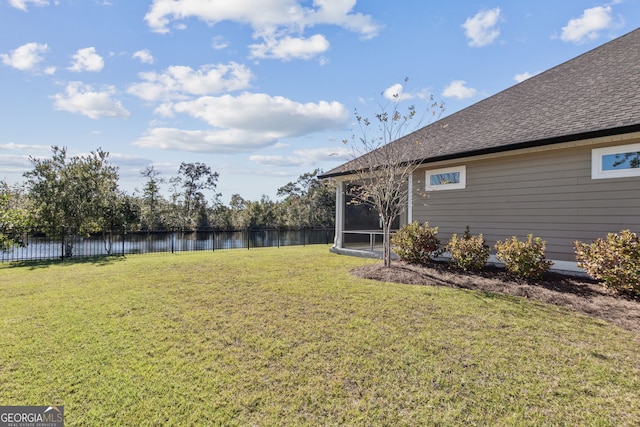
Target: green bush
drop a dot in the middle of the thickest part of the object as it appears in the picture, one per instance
(614, 260)
(468, 252)
(524, 259)
(415, 243)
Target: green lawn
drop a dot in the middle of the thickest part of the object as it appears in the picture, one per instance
(288, 337)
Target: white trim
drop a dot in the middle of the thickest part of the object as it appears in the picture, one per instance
(597, 155)
(410, 200)
(461, 169)
(337, 241)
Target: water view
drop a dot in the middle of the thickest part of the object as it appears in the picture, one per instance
(40, 248)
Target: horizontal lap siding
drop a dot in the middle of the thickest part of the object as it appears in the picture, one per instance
(550, 194)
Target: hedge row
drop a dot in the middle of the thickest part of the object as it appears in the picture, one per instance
(615, 261)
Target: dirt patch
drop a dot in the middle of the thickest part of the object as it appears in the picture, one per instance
(578, 294)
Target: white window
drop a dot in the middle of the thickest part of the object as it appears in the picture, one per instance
(454, 178)
(615, 162)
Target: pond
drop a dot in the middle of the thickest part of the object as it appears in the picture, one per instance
(39, 248)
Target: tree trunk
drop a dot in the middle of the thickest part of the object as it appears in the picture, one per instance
(108, 240)
(386, 241)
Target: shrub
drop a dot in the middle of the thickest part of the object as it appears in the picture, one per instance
(524, 259)
(468, 252)
(614, 260)
(415, 243)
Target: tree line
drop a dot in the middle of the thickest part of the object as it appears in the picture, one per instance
(81, 195)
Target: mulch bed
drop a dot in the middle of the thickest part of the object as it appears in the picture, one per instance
(576, 293)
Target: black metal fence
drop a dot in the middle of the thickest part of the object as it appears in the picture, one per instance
(123, 242)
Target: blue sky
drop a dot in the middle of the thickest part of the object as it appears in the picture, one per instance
(260, 90)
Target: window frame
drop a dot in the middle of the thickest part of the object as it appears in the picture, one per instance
(597, 155)
(461, 169)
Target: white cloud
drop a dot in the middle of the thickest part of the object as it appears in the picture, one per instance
(17, 160)
(209, 141)
(263, 14)
(278, 24)
(338, 12)
(523, 76)
(257, 112)
(22, 4)
(244, 122)
(144, 56)
(50, 71)
(128, 159)
(13, 163)
(87, 60)
(82, 99)
(177, 82)
(458, 89)
(219, 43)
(287, 48)
(396, 93)
(129, 166)
(276, 160)
(587, 27)
(304, 157)
(482, 28)
(25, 57)
(25, 147)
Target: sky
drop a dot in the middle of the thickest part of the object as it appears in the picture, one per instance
(261, 91)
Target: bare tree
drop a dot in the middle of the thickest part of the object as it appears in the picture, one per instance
(381, 165)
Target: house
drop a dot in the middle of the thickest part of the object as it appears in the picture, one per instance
(557, 155)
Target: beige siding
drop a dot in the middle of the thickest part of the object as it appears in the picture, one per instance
(549, 193)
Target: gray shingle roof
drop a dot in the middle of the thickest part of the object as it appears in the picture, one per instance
(596, 93)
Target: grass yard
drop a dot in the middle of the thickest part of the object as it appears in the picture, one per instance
(288, 337)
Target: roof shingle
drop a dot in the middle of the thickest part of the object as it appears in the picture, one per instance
(594, 93)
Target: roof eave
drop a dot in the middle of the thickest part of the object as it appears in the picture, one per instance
(621, 130)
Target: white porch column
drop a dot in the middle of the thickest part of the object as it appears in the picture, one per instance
(337, 241)
(410, 200)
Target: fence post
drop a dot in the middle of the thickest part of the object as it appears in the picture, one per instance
(173, 238)
(248, 237)
(62, 233)
(124, 233)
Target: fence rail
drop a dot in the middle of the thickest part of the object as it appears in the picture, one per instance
(124, 242)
